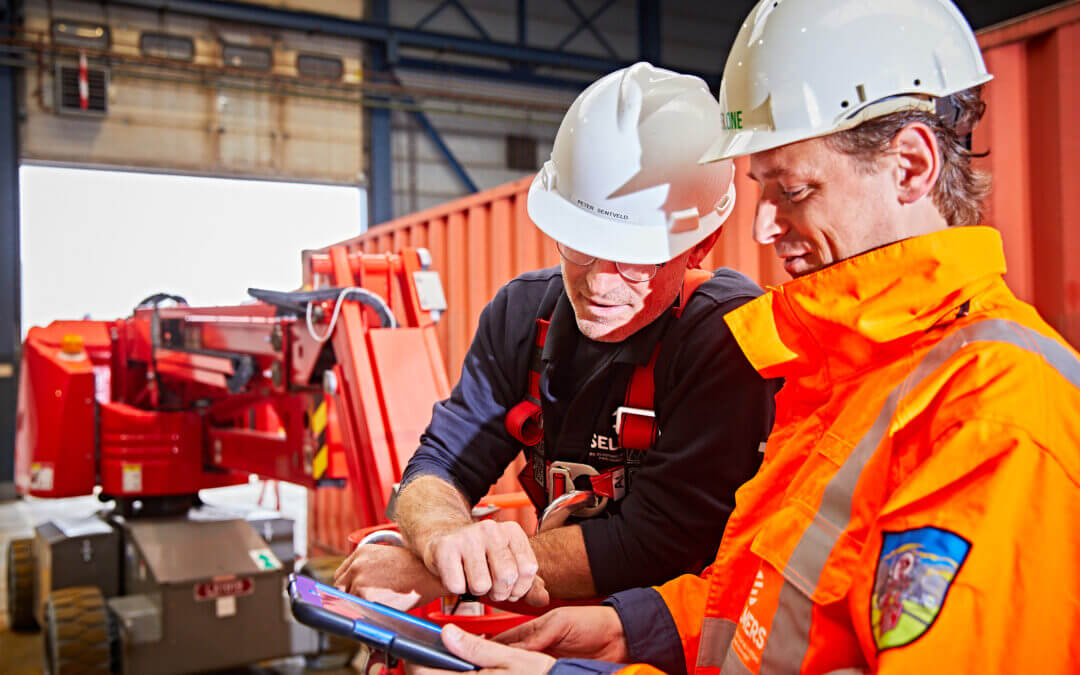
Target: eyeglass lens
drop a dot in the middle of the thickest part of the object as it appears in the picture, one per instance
(629, 271)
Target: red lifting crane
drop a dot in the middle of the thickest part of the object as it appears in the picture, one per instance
(148, 410)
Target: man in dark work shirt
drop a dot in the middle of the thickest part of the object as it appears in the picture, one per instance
(633, 215)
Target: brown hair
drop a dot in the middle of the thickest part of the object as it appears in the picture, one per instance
(960, 189)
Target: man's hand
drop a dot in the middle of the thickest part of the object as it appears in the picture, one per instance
(492, 657)
(486, 558)
(388, 574)
(593, 632)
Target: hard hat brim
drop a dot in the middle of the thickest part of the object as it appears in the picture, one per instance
(732, 144)
(742, 143)
(609, 239)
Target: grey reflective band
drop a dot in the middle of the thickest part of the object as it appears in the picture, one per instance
(789, 636)
(716, 636)
(732, 664)
(790, 624)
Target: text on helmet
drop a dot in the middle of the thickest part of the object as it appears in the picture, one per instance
(731, 120)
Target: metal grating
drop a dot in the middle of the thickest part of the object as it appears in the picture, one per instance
(67, 90)
(320, 67)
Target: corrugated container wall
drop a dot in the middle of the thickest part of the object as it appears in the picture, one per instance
(1031, 132)
(482, 241)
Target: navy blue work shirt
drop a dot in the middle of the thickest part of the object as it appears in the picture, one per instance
(713, 412)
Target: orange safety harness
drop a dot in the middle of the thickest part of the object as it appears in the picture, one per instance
(635, 426)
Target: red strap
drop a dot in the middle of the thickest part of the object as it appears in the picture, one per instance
(638, 432)
(610, 483)
(534, 372)
(641, 390)
(541, 332)
(525, 423)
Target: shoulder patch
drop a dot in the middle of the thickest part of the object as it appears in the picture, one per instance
(914, 573)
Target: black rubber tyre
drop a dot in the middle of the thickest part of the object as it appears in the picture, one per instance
(20, 584)
(79, 633)
(333, 652)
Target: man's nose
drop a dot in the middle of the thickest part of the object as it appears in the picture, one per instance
(766, 229)
(602, 276)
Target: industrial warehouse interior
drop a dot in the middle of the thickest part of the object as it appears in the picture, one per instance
(271, 314)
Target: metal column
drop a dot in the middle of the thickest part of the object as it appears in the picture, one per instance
(9, 260)
(649, 37)
(381, 175)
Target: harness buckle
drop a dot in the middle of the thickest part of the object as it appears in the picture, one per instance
(560, 480)
(623, 411)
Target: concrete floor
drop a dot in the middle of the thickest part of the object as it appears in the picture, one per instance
(21, 653)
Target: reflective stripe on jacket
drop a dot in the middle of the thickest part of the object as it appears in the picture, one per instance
(923, 404)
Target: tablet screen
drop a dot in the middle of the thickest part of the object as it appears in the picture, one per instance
(406, 629)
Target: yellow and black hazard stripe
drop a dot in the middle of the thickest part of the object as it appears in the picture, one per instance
(321, 461)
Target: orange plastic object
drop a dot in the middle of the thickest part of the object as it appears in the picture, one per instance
(508, 500)
(72, 344)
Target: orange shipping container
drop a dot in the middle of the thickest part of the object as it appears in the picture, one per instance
(1032, 134)
(480, 242)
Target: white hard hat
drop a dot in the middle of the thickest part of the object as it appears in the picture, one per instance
(623, 182)
(806, 68)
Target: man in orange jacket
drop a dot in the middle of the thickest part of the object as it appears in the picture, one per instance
(917, 506)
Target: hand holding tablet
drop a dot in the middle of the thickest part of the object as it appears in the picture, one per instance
(378, 626)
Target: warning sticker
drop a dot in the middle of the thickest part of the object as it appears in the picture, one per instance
(264, 559)
(41, 476)
(223, 587)
(131, 478)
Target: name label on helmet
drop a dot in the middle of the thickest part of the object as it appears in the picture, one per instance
(603, 212)
(732, 120)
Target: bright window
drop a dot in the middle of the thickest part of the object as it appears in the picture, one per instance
(94, 243)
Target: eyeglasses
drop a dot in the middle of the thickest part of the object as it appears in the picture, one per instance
(633, 272)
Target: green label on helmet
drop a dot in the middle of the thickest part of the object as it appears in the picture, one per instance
(732, 120)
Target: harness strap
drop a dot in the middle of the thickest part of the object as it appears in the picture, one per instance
(525, 421)
(635, 421)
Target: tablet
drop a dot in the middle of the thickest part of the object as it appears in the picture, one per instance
(378, 626)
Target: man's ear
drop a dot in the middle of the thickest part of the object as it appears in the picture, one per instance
(918, 162)
(698, 252)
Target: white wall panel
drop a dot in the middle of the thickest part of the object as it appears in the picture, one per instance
(206, 126)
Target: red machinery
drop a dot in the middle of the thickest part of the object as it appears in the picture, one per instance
(174, 399)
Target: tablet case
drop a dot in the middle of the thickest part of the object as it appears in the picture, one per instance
(307, 607)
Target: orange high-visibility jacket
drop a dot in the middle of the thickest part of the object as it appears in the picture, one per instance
(918, 509)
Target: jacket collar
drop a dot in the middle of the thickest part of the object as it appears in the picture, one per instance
(840, 320)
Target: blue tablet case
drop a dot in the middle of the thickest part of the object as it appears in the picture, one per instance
(378, 626)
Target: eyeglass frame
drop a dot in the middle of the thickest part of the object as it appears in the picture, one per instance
(618, 265)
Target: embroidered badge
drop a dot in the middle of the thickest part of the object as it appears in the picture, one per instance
(914, 573)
